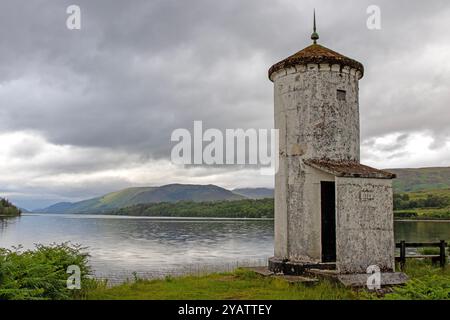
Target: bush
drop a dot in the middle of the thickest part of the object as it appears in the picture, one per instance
(405, 214)
(402, 201)
(430, 287)
(8, 209)
(41, 273)
(429, 251)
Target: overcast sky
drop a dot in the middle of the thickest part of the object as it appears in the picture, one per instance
(85, 112)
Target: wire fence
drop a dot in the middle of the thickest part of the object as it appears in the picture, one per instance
(196, 270)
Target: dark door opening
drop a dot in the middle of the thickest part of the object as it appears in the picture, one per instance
(328, 205)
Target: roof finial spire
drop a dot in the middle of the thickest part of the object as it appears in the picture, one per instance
(315, 35)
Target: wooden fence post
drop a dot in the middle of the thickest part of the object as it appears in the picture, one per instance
(442, 258)
(402, 255)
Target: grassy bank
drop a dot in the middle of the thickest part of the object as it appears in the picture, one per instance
(423, 214)
(420, 205)
(42, 274)
(427, 282)
(241, 284)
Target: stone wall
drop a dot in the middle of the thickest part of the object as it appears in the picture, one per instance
(364, 224)
(312, 123)
(297, 235)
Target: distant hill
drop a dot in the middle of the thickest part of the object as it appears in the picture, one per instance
(421, 179)
(255, 193)
(408, 180)
(56, 208)
(132, 196)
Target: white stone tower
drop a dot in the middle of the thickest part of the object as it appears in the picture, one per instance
(330, 211)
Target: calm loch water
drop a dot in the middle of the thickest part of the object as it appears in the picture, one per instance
(422, 231)
(153, 247)
(150, 247)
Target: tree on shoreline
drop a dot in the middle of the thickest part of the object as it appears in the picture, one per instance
(8, 209)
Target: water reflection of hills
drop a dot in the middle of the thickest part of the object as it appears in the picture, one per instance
(422, 231)
(5, 221)
(120, 245)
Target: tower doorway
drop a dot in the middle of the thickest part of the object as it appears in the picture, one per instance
(328, 212)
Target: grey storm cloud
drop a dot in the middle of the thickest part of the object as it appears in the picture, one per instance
(139, 69)
(397, 145)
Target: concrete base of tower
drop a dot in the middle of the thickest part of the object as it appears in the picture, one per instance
(297, 268)
(328, 271)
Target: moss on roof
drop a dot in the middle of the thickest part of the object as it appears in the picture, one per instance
(351, 169)
(317, 54)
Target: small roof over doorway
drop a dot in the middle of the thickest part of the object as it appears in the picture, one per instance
(349, 169)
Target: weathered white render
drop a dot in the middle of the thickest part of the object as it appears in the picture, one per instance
(317, 115)
(364, 228)
(313, 123)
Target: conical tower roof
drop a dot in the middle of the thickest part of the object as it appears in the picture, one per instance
(316, 54)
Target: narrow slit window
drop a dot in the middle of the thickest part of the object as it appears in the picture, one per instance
(341, 95)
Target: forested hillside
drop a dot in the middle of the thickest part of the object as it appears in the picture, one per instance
(8, 209)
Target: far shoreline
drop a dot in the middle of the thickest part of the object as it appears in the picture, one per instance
(100, 215)
(422, 220)
(117, 216)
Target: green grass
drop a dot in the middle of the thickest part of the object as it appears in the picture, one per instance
(429, 251)
(423, 213)
(434, 213)
(427, 204)
(426, 282)
(442, 193)
(41, 274)
(241, 284)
